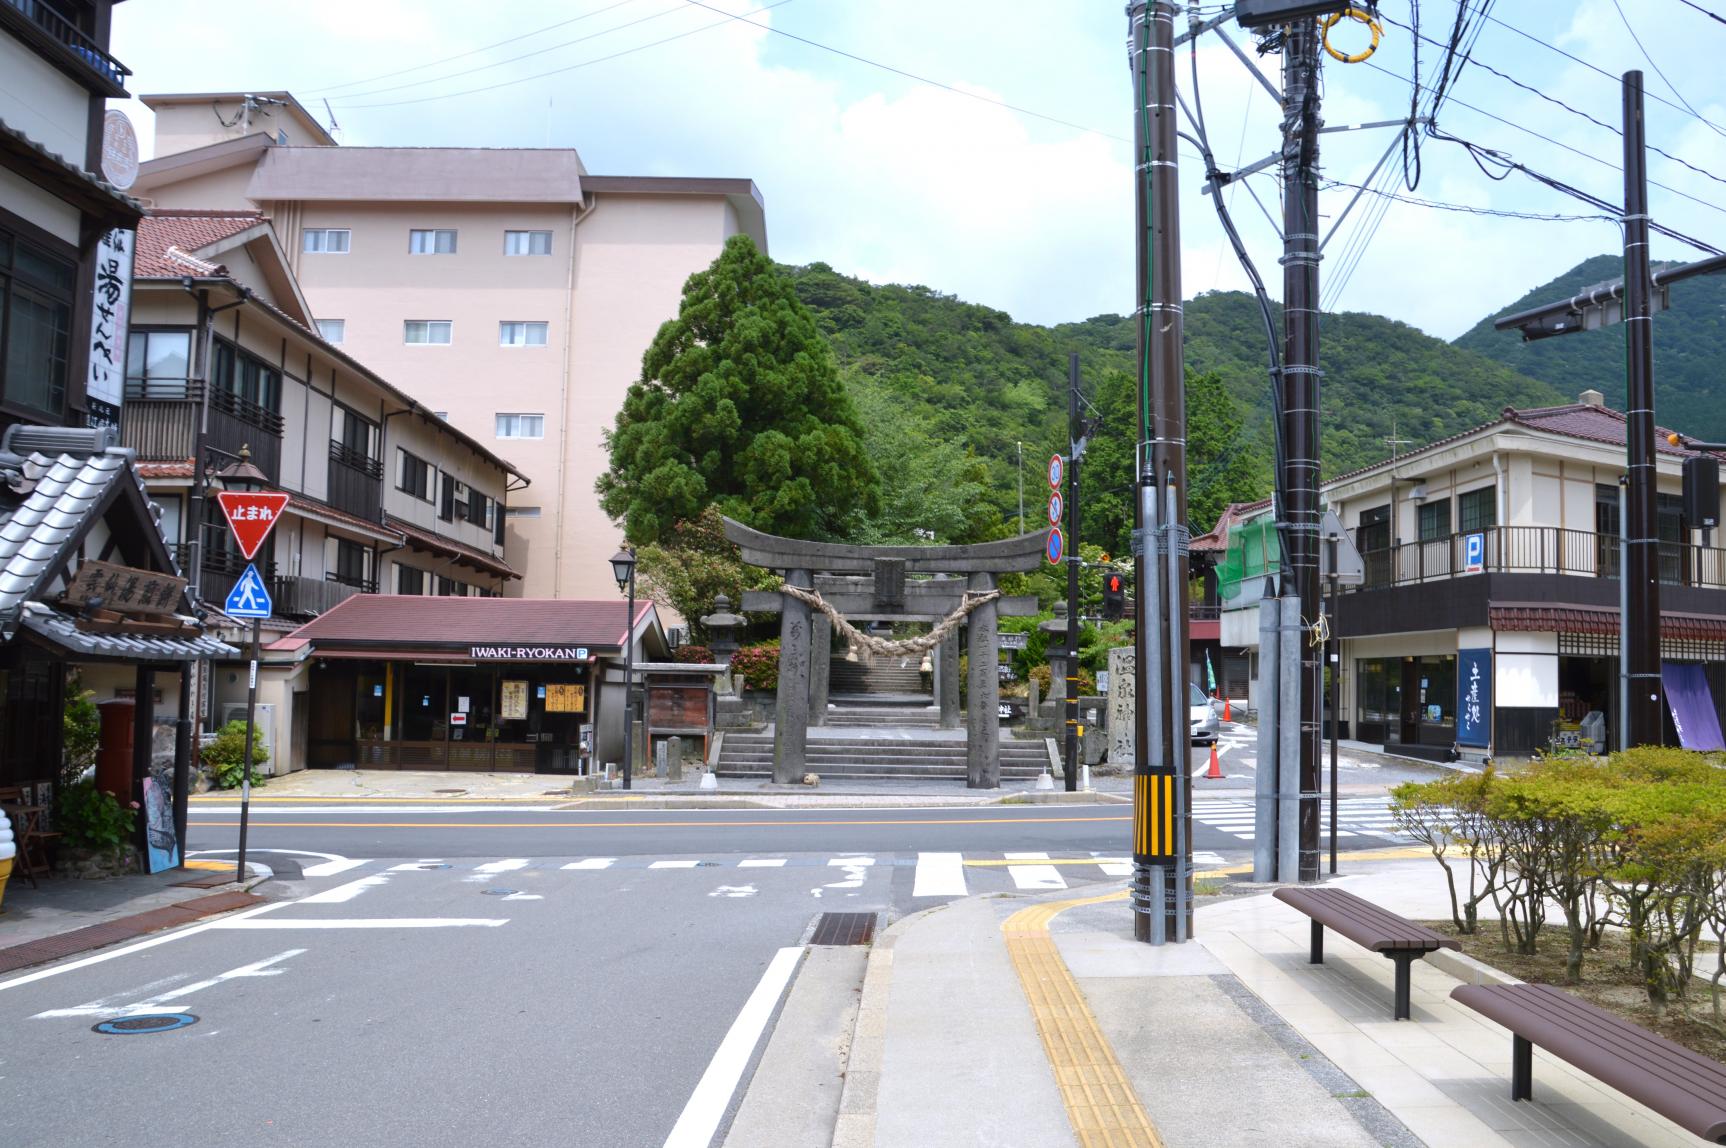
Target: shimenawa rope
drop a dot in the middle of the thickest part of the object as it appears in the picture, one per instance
(886, 646)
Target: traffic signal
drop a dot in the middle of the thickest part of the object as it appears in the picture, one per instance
(1114, 596)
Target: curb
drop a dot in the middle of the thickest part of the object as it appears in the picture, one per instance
(1468, 970)
(236, 895)
(855, 1127)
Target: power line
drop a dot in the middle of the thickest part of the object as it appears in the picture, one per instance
(1466, 209)
(1637, 40)
(514, 59)
(464, 55)
(568, 68)
(1596, 68)
(742, 18)
(1704, 11)
(1531, 90)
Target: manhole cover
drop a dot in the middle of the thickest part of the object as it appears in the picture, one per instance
(450, 791)
(707, 864)
(497, 892)
(844, 929)
(144, 1025)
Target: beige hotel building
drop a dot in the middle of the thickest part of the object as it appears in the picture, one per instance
(506, 289)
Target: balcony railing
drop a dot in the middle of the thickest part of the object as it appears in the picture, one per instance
(160, 421)
(68, 35)
(1534, 550)
(356, 482)
(358, 584)
(300, 597)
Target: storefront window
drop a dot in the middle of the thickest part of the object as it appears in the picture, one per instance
(424, 712)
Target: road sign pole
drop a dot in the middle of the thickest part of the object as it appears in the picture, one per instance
(1071, 757)
(246, 762)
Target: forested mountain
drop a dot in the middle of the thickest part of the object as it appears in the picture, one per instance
(1689, 349)
(931, 371)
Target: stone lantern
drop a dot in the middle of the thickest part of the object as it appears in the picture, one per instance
(722, 628)
(1056, 628)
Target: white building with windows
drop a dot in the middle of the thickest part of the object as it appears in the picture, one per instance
(512, 290)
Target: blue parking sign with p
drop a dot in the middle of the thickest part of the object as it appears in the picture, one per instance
(1474, 553)
(250, 598)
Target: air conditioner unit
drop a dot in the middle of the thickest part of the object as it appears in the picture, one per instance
(266, 733)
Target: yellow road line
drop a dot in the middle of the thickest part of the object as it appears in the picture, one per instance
(1100, 1102)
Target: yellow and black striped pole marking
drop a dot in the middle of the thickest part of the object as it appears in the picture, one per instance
(1154, 818)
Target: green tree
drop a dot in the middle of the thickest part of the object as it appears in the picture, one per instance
(932, 489)
(694, 563)
(739, 405)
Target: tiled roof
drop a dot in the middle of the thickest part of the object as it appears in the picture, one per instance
(34, 530)
(308, 507)
(168, 243)
(437, 543)
(64, 632)
(1592, 423)
(68, 180)
(1217, 538)
(407, 620)
(159, 470)
(1583, 620)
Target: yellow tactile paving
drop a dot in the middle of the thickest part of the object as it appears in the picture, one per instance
(1100, 1102)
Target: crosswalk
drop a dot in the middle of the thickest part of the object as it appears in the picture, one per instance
(1356, 817)
(931, 875)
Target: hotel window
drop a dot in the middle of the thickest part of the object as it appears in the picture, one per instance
(527, 243)
(413, 475)
(333, 330)
(1435, 520)
(428, 332)
(1478, 509)
(479, 509)
(521, 512)
(326, 240)
(249, 379)
(157, 364)
(446, 499)
(353, 566)
(520, 426)
(36, 291)
(431, 242)
(410, 579)
(450, 588)
(521, 334)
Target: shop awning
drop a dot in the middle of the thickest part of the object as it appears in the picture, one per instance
(417, 628)
(60, 630)
(1581, 620)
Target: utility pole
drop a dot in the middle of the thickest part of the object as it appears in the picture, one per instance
(1020, 447)
(1300, 415)
(1075, 450)
(1639, 628)
(1162, 868)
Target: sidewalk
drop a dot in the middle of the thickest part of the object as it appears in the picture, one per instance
(1233, 1039)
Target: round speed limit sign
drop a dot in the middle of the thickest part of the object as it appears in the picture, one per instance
(1057, 470)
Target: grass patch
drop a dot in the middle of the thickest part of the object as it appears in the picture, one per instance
(1607, 982)
(1208, 886)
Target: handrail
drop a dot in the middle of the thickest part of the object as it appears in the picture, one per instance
(1533, 550)
(70, 36)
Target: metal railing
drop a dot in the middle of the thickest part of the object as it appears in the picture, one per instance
(297, 596)
(359, 584)
(72, 38)
(1533, 550)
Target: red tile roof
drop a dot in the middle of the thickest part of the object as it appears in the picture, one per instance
(1217, 538)
(1583, 620)
(321, 511)
(168, 243)
(149, 470)
(1592, 423)
(438, 544)
(399, 621)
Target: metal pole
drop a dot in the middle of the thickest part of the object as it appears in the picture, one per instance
(1071, 757)
(1300, 390)
(1020, 447)
(1623, 738)
(1265, 786)
(1179, 900)
(1335, 693)
(1640, 626)
(1148, 917)
(629, 685)
(246, 762)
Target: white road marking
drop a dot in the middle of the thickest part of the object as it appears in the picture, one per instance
(331, 868)
(502, 866)
(856, 872)
(761, 863)
(1115, 866)
(331, 864)
(343, 893)
(734, 891)
(104, 1005)
(166, 1001)
(939, 875)
(674, 864)
(1035, 876)
(851, 859)
(592, 863)
(423, 865)
(524, 897)
(367, 923)
(43, 974)
(699, 1121)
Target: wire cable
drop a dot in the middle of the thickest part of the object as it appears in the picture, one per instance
(567, 68)
(324, 91)
(1467, 209)
(1637, 40)
(1704, 11)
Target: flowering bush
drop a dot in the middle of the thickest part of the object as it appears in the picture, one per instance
(758, 665)
(693, 655)
(92, 819)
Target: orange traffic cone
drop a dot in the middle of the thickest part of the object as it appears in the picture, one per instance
(1227, 716)
(1215, 772)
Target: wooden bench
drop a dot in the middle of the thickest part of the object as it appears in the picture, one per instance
(1686, 1088)
(1372, 928)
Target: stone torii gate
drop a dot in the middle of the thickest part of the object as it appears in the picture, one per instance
(872, 583)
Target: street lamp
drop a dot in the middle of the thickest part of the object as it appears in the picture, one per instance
(623, 569)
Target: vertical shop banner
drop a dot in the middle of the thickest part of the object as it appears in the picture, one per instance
(1693, 712)
(1474, 697)
(513, 706)
(109, 321)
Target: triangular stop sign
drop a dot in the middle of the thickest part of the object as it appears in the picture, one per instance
(251, 516)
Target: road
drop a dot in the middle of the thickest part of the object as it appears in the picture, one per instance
(429, 975)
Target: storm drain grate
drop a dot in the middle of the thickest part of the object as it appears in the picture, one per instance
(844, 929)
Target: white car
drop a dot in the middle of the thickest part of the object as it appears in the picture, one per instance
(1202, 716)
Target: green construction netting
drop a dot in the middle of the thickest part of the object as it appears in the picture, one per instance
(1252, 553)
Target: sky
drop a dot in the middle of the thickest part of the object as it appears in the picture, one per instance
(982, 148)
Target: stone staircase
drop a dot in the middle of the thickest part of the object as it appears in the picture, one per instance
(882, 717)
(888, 677)
(908, 758)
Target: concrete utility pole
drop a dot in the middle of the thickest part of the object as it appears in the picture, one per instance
(1300, 401)
(1075, 449)
(1639, 629)
(1162, 865)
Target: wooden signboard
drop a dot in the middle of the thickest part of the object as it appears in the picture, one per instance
(514, 700)
(677, 707)
(564, 698)
(124, 589)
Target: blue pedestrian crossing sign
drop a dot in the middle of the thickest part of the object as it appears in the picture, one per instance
(250, 598)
